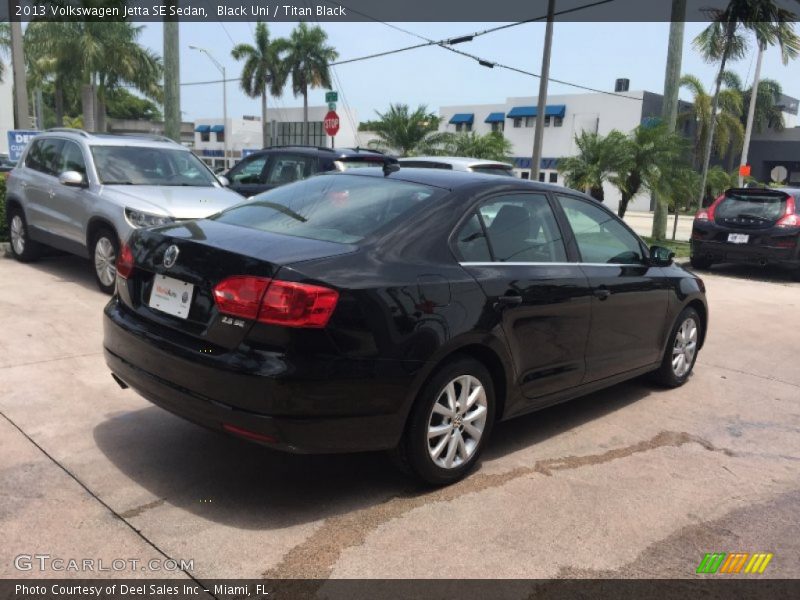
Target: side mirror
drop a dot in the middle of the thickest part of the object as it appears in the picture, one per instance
(224, 181)
(71, 179)
(660, 256)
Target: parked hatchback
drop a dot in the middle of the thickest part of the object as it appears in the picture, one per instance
(458, 163)
(749, 225)
(405, 310)
(83, 193)
(279, 165)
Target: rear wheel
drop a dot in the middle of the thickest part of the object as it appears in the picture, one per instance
(23, 248)
(681, 352)
(449, 423)
(699, 262)
(105, 249)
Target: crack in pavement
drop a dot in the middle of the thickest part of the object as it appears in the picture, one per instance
(135, 512)
(315, 557)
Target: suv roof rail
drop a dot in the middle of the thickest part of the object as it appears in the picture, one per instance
(67, 130)
(156, 137)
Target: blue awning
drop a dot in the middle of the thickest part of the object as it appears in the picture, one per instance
(497, 117)
(551, 110)
(218, 128)
(203, 128)
(462, 118)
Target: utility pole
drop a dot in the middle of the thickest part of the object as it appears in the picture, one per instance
(669, 113)
(22, 109)
(172, 78)
(538, 134)
(751, 113)
(226, 133)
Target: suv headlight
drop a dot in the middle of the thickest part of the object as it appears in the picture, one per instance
(139, 218)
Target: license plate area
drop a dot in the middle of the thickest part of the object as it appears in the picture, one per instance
(738, 238)
(171, 296)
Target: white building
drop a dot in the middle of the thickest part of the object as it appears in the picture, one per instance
(286, 128)
(6, 108)
(566, 116)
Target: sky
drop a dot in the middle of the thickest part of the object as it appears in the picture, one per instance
(591, 54)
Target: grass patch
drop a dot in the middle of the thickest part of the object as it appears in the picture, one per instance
(681, 249)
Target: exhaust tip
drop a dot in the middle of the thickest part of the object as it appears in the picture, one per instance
(119, 381)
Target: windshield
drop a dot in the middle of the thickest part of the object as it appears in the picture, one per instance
(140, 165)
(493, 170)
(760, 207)
(338, 208)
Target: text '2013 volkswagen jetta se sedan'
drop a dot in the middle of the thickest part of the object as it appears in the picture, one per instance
(405, 310)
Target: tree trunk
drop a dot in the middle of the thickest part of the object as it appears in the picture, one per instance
(751, 111)
(305, 116)
(58, 101)
(100, 119)
(623, 205)
(264, 123)
(172, 79)
(598, 193)
(87, 104)
(675, 222)
(729, 31)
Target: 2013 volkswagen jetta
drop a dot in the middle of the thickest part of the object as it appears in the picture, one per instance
(406, 310)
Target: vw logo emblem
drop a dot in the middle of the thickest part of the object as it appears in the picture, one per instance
(170, 256)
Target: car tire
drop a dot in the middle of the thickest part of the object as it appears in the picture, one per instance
(23, 248)
(701, 263)
(103, 256)
(681, 351)
(464, 430)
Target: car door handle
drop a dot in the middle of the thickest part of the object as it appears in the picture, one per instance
(51, 193)
(601, 293)
(507, 301)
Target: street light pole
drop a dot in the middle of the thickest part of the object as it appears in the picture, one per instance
(538, 134)
(224, 99)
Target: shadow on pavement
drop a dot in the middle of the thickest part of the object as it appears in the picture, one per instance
(768, 274)
(65, 268)
(244, 485)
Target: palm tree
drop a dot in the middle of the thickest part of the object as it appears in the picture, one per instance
(768, 113)
(5, 45)
(403, 132)
(263, 71)
(307, 60)
(597, 160)
(730, 131)
(679, 184)
(722, 40)
(492, 146)
(649, 153)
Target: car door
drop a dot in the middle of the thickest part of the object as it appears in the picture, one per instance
(41, 185)
(513, 246)
(248, 177)
(629, 302)
(71, 205)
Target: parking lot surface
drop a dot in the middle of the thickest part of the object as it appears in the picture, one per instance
(634, 481)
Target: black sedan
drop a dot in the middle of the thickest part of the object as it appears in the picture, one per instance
(405, 309)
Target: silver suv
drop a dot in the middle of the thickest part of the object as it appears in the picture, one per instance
(85, 192)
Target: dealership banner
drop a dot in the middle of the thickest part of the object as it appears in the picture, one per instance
(358, 10)
(17, 140)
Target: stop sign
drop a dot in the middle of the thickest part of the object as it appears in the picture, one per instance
(331, 123)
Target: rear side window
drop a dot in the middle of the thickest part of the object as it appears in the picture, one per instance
(288, 168)
(338, 208)
(765, 208)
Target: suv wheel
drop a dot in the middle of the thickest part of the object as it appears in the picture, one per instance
(105, 249)
(23, 248)
(681, 352)
(449, 423)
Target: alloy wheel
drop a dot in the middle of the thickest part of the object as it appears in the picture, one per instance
(105, 258)
(17, 234)
(684, 348)
(457, 421)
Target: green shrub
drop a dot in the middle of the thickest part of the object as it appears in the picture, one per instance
(3, 222)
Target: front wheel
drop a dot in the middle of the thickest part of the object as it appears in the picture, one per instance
(681, 352)
(105, 249)
(449, 423)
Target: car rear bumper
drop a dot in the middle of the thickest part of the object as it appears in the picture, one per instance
(722, 252)
(255, 400)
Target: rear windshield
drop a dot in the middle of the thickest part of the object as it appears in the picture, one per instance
(493, 170)
(761, 207)
(337, 208)
(344, 164)
(425, 164)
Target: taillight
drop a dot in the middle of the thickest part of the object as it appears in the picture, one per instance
(707, 214)
(240, 295)
(790, 218)
(276, 302)
(125, 262)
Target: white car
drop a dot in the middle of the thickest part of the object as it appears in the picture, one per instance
(458, 163)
